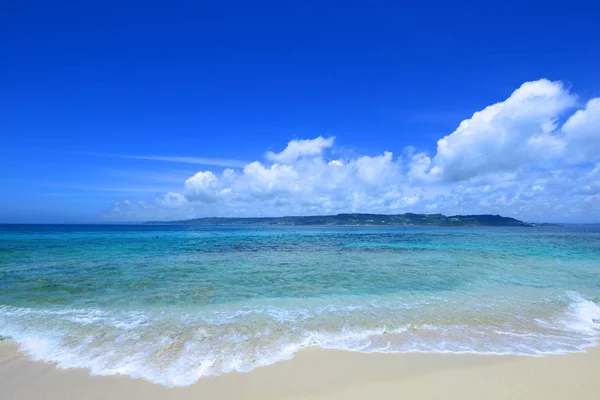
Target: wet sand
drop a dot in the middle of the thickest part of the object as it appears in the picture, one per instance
(326, 374)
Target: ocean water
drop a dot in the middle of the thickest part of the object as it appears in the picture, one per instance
(171, 304)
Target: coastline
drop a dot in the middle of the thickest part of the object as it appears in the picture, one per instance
(317, 374)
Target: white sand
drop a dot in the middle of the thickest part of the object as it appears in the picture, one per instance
(321, 374)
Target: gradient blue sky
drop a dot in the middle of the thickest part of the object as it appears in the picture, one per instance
(90, 88)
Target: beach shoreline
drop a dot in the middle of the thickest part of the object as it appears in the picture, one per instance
(318, 374)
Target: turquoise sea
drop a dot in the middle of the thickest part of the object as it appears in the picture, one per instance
(171, 304)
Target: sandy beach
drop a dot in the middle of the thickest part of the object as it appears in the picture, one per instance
(324, 374)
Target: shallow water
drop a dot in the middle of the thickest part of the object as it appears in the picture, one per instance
(207, 300)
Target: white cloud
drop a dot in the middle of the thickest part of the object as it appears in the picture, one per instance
(505, 135)
(301, 148)
(419, 166)
(582, 133)
(310, 183)
(373, 170)
(172, 200)
(515, 157)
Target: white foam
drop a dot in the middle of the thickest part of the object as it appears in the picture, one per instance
(585, 314)
(177, 349)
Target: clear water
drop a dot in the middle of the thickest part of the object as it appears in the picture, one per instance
(198, 301)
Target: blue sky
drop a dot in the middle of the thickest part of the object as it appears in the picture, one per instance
(127, 111)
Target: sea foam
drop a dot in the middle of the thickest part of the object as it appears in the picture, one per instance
(178, 348)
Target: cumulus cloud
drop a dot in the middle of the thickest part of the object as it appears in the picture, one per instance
(172, 200)
(582, 133)
(523, 130)
(301, 148)
(303, 181)
(531, 156)
(200, 187)
(505, 135)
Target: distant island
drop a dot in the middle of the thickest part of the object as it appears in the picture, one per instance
(360, 220)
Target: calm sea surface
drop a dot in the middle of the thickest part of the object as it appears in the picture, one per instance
(174, 303)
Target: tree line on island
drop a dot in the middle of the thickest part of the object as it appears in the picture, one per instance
(360, 219)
